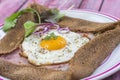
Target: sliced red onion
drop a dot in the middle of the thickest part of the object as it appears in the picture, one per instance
(45, 24)
(55, 26)
(63, 30)
(45, 27)
(51, 25)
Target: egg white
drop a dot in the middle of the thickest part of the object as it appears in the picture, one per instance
(39, 56)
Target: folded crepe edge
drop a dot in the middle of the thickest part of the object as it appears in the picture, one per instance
(91, 55)
(22, 72)
(13, 38)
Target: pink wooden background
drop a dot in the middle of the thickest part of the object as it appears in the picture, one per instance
(110, 7)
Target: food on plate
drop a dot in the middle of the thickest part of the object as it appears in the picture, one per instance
(52, 47)
(22, 72)
(85, 26)
(15, 36)
(88, 44)
(89, 57)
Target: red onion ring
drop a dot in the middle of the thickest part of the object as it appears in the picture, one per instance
(45, 27)
(50, 25)
(55, 26)
(63, 30)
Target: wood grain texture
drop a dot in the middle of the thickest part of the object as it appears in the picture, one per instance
(65, 4)
(60, 4)
(111, 7)
(44, 2)
(27, 4)
(8, 7)
(91, 4)
(2, 1)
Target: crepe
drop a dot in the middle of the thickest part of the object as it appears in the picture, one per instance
(90, 56)
(85, 61)
(85, 26)
(20, 72)
(15, 36)
(38, 8)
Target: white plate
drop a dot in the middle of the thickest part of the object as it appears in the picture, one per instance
(112, 64)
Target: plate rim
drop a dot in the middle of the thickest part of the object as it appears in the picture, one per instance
(95, 12)
(116, 67)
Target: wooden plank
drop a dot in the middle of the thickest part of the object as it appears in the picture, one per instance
(115, 76)
(111, 7)
(55, 3)
(65, 4)
(61, 4)
(27, 4)
(41, 2)
(2, 1)
(8, 7)
(44, 2)
(91, 4)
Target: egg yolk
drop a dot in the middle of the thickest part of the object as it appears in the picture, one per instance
(54, 44)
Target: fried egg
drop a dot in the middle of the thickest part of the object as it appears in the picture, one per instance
(41, 51)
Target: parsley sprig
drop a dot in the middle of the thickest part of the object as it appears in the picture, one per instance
(11, 21)
(51, 36)
(53, 15)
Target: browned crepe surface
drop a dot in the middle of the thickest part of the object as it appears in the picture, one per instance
(85, 26)
(39, 8)
(15, 36)
(90, 56)
(19, 72)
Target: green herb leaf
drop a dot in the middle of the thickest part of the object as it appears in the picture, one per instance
(11, 21)
(55, 18)
(29, 27)
(52, 15)
(51, 36)
(54, 11)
